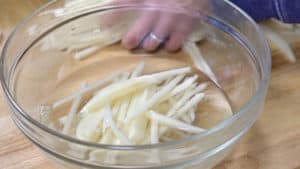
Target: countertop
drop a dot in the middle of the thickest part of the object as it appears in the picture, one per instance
(272, 143)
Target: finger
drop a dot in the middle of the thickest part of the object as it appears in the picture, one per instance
(139, 30)
(180, 33)
(175, 42)
(160, 32)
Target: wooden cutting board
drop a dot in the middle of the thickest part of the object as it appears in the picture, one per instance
(273, 142)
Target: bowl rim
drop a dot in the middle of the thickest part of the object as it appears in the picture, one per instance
(263, 85)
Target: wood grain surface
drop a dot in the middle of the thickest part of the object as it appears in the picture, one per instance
(273, 142)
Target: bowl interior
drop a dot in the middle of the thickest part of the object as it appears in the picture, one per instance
(48, 71)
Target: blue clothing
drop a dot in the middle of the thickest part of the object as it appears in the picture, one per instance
(285, 10)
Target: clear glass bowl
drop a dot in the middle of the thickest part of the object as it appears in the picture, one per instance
(234, 48)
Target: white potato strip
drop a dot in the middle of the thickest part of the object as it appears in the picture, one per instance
(134, 103)
(190, 104)
(84, 38)
(116, 108)
(115, 91)
(138, 70)
(280, 43)
(137, 100)
(101, 39)
(185, 118)
(117, 132)
(105, 126)
(174, 123)
(125, 76)
(192, 49)
(185, 98)
(144, 96)
(192, 114)
(107, 137)
(166, 139)
(154, 78)
(137, 128)
(162, 130)
(188, 118)
(154, 132)
(89, 126)
(184, 85)
(169, 73)
(196, 36)
(72, 114)
(89, 88)
(123, 111)
(156, 97)
(86, 52)
(274, 22)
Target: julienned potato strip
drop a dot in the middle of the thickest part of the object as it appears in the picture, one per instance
(278, 42)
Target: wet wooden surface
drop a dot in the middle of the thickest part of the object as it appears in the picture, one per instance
(273, 142)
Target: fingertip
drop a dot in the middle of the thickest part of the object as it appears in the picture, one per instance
(130, 41)
(175, 42)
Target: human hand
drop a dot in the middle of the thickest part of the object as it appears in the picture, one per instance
(156, 28)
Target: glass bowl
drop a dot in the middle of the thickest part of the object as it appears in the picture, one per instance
(38, 66)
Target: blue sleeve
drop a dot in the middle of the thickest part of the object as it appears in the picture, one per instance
(285, 10)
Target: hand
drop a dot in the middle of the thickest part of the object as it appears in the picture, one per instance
(156, 28)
